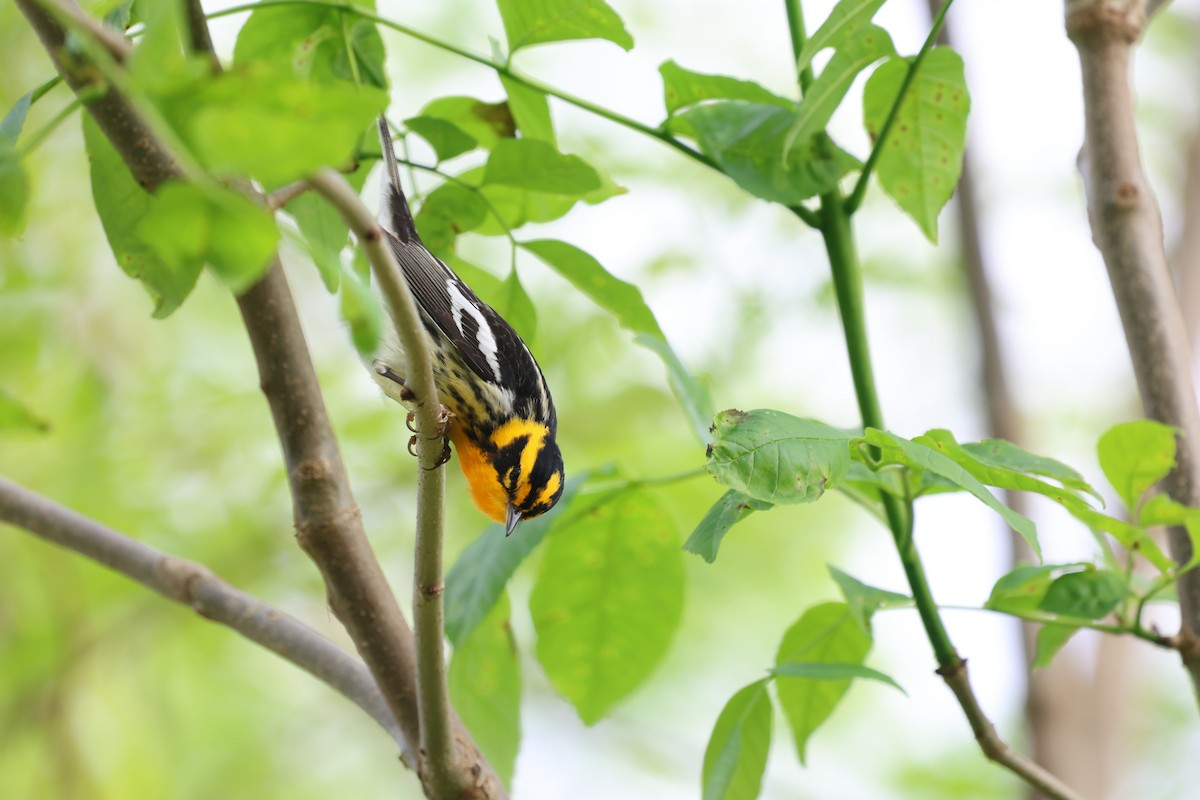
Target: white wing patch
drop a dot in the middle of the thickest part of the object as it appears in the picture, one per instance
(484, 338)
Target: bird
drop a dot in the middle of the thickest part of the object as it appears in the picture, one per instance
(502, 418)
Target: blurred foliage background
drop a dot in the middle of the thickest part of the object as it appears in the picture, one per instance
(158, 429)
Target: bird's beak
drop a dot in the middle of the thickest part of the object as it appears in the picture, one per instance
(511, 520)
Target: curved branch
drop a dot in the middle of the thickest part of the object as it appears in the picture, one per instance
(1127, 229)
(195, 586)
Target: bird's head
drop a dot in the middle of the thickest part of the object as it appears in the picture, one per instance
(518, 474)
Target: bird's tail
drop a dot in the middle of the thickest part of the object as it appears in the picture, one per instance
(394, 209)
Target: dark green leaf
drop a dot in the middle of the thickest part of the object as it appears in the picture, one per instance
(827, 633)
(732, 508)
(747, 140)
(777, 458)
(486, 123)
(14, 416)
(536, 165)
(188, 224)
(831, 671)
(896, 450)
(683, 88)
(1050, 639)
(530, 111)
(312, 40)
(14, 191)
(1091, 594)
(862, 48)
(864, 600)
(608, 599)
(485, 687)
(122, 204)
(529, 22)
(447, 139)
(324, 232)
(14, 120)
(1135, 456)
(477, 579)
(922, 157)
(736, 756)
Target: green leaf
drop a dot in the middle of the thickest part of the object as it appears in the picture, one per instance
(449, 210)
(864, 600)
(1006, 455)
(621, 299)
(362, 311)
(624, 301)
(262, 122)
(14, 416)
(122, 205)
(14, 120)
(14, 191)
(447, 139)
(534, 164)
(861, 49)
(324, 232)
(846, 18)
(1021, 590)
(1135, 456)
(485, 688)
(829, 634)
(922, 157)
(828, 671)
(188, 225)
(691, 394)
(736, 756)
(530, 22)
(530, 110)
(897, 450)
(486, 123)
(608, 599)
(514, 304)
(1091, 594)
(747, 141)
(1050, 639)
(732, 508)
(319, 43)
(683, 88)
(777, 458)
(476, 581)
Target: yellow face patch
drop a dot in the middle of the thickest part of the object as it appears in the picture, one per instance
(547, 494)
(535, 434)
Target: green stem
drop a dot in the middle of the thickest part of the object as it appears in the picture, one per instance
(501, 68)
(36, 138)
(860, 188)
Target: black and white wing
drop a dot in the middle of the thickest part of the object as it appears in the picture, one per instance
(486, 343)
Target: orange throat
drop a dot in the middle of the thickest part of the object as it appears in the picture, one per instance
(486, 491)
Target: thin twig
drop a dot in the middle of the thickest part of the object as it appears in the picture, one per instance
(441, 761)
(1127, 229)
(286, 194)
(195, 586)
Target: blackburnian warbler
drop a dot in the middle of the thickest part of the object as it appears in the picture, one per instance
(503, 423)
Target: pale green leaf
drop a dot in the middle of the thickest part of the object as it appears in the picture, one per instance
(736, 755)
(1135, 456)
(732, 508)
(832, 671)
(608, 599)
(843, 21)
(1050, 639)
(530, 22)
(683, 88)
(864, 600)
(537, 165)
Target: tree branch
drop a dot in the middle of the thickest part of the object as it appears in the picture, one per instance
(1127, 229)
(195, 586)
(441, 760)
